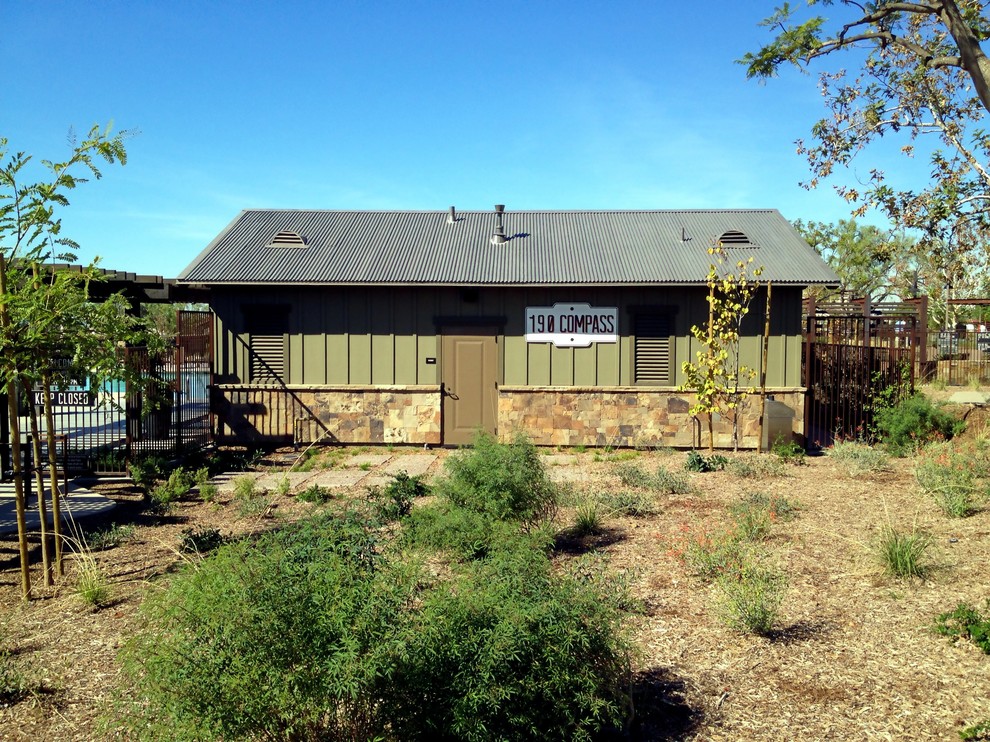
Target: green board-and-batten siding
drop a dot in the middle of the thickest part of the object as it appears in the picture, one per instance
(340, 335)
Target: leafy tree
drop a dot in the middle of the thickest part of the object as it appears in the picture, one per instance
(923, 77)
(865, 257)
(45, 314)
(714, 376)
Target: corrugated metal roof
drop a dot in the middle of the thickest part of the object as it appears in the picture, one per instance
(544, 247)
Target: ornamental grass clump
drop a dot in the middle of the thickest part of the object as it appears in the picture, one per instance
(749, 599)
(903, 554)
(858, 457)
(707, 555)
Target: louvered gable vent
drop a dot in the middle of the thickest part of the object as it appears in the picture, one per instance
(287, 239)
(735, 238)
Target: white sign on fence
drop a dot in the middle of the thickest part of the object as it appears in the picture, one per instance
(572, 325)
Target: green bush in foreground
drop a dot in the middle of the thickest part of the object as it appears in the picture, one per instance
(912, 422)
(311, 633)
(282, 638)
(510, 650)
(503, 481)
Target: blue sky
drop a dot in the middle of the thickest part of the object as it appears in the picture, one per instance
(400, 105)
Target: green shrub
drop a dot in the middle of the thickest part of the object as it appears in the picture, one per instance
(671, 483)
(750, 599)
(108, 538)
(310, 632)
(245, 488)
(13, 685)
(162, 499)
(966, 622)
(201, 476)
(859, 457)
(287, 637)
(504, 481)
(632, 475)
(752, 519)
(789, 451)
(912, 422)
(708, 556)
(950, 478)
(179, 482)
(201, 541)
(208, 492)
(315, 493)
(903, 555)
(698, 463)
(630, 502)
(980, 731)
(146, 470)
(511, 650)
(465, 534)
(394, 502)
(757, 467)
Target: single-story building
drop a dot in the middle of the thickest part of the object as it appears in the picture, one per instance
(423, 327)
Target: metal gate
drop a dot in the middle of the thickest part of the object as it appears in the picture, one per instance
(161, 405)
(852, 366)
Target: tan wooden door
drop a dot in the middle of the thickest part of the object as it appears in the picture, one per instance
(469, 375)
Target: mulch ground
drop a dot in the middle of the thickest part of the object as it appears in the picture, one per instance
(853, 657)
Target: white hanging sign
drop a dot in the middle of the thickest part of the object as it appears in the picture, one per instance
(572, 325)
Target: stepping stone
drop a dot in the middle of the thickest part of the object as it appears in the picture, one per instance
(566, 474)
(977, 398)
(225, 482)
(296, 479)
(369, 459)
(338, 478)
(413, 464)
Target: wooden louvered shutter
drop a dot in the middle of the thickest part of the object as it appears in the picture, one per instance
(267, 327)
(652, 349)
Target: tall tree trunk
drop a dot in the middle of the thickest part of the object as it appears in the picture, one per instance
(20, 506)
(763, 374)
(46, 558)
(711, 353)
(46, 387)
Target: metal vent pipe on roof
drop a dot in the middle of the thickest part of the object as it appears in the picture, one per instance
(452, 217)
(499, 237)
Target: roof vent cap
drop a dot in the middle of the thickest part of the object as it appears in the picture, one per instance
(499, 237)
(286, 238)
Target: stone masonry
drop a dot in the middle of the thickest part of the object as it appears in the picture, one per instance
(630, 416)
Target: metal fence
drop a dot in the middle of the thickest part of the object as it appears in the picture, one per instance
(159, 404)
(956, 357)
(852, 365)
